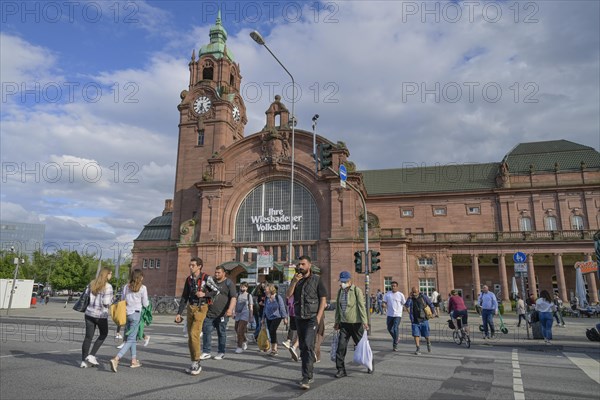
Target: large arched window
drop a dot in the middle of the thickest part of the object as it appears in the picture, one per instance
(264, 214)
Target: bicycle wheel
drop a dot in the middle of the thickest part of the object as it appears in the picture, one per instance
(161, 308)
(457, 337)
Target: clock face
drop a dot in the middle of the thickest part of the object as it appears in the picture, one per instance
(236, 114)
(202, 104)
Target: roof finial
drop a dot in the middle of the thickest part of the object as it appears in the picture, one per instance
(218, 21)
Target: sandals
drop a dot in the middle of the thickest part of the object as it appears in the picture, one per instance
(135, 364)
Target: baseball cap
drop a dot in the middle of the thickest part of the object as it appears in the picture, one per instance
(345, 276)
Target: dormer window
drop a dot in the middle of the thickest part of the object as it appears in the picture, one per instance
(232, 80)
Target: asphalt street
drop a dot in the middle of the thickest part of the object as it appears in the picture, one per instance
(40, 352)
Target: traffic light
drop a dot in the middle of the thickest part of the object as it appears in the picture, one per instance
(375, 261)
(325, 155)
(358, 262)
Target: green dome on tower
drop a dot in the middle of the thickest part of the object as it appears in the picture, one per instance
(217, 47)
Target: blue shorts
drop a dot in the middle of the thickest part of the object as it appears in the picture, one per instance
(420, 329)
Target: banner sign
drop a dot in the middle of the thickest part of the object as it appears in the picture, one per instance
(587, 266)
(275, 221)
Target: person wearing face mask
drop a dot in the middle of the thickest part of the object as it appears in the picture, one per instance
(350, 318)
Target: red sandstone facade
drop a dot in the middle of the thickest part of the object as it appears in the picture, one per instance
(459, 237)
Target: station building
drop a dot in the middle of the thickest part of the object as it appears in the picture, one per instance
(445, 227)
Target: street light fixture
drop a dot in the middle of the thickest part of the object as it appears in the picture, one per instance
(257, 37)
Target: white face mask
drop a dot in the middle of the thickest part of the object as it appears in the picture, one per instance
(345, 285)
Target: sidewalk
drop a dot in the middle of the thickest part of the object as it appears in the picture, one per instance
(573, 335)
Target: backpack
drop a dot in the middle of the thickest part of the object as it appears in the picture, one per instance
(593, 334)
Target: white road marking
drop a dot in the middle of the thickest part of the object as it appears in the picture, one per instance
(587, 364)
(518, 389)
(35, 354)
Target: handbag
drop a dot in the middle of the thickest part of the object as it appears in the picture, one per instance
(426, 309)
(334, 345)
(363, 355)
(83, 302)
(263, 339)
(118, 312)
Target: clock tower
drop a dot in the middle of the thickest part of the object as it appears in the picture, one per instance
(212, 116)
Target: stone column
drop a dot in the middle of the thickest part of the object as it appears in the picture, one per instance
(531, 275)
(504, 282)
(560, 275)
(403, 273)
(450, 275)
(591, 280)
(476, 279)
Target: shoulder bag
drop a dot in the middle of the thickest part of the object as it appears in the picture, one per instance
(83, 302)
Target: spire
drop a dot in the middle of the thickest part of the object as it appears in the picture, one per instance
(217, 32)
(218, 37)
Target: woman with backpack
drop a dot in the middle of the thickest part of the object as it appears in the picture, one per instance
(275, 311)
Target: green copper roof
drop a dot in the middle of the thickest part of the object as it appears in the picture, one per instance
(157, 229)
(546, 156)
(443, 178)
(218, 36)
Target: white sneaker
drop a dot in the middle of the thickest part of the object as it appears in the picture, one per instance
(205, 356)
(245, 346)
(92, 360)
(146, 341)
(220, 356)
(118, 336)
(239, 350)
(85, 364)
(192, 367)
(121, 345)
(196, 368)
(287, 343)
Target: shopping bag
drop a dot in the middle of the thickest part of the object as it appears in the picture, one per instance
(263, 339)
(334, 345)
(118, 312)
(363, 354)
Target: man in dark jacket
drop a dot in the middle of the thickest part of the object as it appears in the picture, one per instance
(310, 300)
(416, 304)
(196, 298)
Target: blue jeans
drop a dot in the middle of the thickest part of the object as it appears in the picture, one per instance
(488, 319)
(546, 323)
(131, 330)
(207, 328)
(392, 327)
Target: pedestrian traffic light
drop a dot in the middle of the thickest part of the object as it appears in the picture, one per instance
(325, 155)
(358, 262)
(375, 261)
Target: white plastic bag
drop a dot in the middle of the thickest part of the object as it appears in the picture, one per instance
(363, 354)
(334, 345)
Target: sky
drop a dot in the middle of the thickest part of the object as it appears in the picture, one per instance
(88, 119)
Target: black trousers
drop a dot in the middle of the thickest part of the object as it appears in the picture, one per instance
(90, 328)
(307, 330)
(346, 331)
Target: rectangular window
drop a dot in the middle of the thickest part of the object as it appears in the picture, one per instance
(275, 253)
(439, 211)
(407, 231)
(425, 262)
(145, 263)
(473, 209)
(151, 263)
(200, 137)
(419, 230)
(157, 265)
(407, 212)
(426, 285)
(525, 224)
(387, 283)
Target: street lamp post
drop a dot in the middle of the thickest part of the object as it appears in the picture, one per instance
(257, 37)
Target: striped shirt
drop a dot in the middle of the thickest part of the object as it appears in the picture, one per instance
(99, 303)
